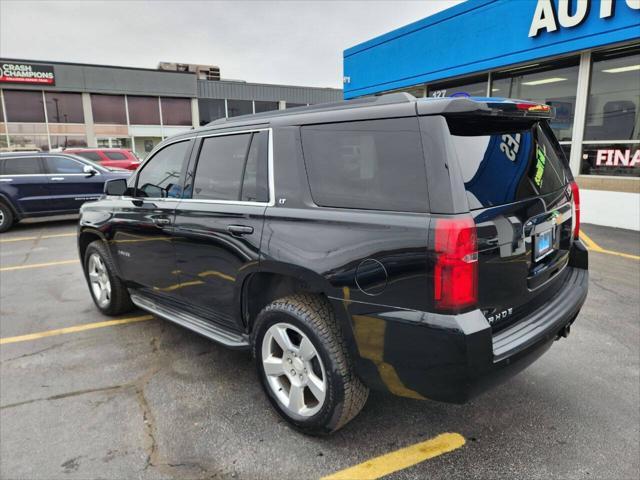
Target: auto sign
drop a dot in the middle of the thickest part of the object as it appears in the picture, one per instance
(27, 73)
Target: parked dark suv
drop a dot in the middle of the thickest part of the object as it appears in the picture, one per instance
(41, 184)
(424, 247)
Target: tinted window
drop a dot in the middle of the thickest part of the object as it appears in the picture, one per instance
(210, 109)
(115, 155)
(94, 156)
(502, 162)
(376, 165)
(23, 106)
(108, 109)
(176, 111)
(63, 165)
(160, 177)
(239, 107)
(143, 110)
(64, 107)
(255, 181)
(21, 166)
(261, 106)
(295, 105)
(220, 165)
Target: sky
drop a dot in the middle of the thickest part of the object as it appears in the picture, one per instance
(285, 42)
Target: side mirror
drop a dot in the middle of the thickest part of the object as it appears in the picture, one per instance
(116, 187)
(89, 170)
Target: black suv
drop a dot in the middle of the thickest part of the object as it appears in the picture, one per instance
(424, 247)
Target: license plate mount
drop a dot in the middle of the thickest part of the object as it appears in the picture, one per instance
(543, 245)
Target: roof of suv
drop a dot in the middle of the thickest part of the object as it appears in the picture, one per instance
(383, 106)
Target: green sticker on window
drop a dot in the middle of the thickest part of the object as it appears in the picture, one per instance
(541, 161)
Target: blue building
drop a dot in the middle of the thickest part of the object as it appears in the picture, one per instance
(581, 56)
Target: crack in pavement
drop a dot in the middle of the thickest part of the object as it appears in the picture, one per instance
(65, 395)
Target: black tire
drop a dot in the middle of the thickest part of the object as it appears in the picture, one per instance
(120, 301)
(7, 218)
(345, 392)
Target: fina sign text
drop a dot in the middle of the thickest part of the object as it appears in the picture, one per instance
(546, 18)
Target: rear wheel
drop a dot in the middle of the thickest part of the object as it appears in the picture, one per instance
(6, 218)
(304, 365)
(107, 290)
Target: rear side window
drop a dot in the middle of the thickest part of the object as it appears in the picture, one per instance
(504, 161)
(115, 156)
(94, 156)
(374, 165)
(233, 167)
(21, 166)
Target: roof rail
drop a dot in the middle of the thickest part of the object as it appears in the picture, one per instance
(386, 99)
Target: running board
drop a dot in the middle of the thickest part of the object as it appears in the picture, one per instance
(204, 328)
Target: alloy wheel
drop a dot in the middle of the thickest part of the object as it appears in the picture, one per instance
(99, 280)
(294, 369)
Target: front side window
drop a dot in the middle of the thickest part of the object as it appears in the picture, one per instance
(373, 165)
(63, 165)
(220, 166)
(160, 176)
(21, 166)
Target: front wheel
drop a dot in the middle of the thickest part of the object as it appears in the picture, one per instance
(107, 290)
(6, 218)
(304, 366)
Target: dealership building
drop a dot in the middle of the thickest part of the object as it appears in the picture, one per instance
(49, 105)
(581, 57)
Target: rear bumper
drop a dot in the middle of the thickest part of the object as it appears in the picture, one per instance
(453, 358)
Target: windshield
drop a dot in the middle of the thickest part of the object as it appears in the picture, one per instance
(504, 162)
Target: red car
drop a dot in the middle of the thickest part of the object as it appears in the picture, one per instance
(108, 157)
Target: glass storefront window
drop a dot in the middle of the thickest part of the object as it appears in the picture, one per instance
(554, 85)
(418, 91)
(108, 109)
(262, 106)
(67, 141)
(239, 107)
(143, 110)
(619, 159)
(176, 111)
(614, 95)
(473, 87)
(294, 105)
(3, 143)
(210, 109)
(64, 107)
(29, 142)
(24, 106)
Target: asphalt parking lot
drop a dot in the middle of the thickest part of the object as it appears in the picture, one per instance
(148, 399)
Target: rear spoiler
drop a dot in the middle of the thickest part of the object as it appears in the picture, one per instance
(494, 107)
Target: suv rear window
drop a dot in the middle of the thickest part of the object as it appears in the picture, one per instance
(21, 166)
(115, 155)
(505, 161)
(372, 165)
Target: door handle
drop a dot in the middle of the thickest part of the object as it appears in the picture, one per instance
(239, 229)
(57, 178)
(161, 221)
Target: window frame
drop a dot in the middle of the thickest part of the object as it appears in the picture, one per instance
(193, 166)
(150, 157)
(10, 157)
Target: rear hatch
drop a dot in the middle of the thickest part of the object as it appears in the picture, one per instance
(518, 187)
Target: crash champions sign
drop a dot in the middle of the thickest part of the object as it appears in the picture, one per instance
(27, 73)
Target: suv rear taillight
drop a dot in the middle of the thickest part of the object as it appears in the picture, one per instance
(575, 204)
(456, 270)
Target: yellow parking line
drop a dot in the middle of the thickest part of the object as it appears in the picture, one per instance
(38, 265)
(77, 328)
(401, 459)
(594, 247)
(24, 239)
